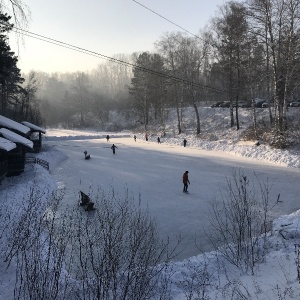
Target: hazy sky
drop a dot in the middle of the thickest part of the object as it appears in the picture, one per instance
(104, 26)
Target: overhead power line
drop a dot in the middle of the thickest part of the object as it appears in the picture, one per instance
(196, 36)
(119, 61)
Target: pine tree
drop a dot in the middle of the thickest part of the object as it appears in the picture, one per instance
(10, 77)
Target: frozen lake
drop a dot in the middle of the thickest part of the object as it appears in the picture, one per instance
(155, 171)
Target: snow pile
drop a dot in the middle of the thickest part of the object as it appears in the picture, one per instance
(288, 158)
(219, 136)
(261, 152)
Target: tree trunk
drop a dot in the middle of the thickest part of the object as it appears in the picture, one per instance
(254, 113)
(231, 99)
(178, 119)
(268, 74)
(197, 117)
(237, 113)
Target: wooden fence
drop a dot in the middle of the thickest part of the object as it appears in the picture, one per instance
(38, 161)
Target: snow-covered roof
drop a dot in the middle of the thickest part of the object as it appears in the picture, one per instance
(34, 127)
(8, 123)
(14, 137)
(6, 144)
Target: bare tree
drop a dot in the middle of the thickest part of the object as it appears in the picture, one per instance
(278, 23)
(111, 79)
(18, 9)
(81, 88)
(113, 252)
(197, 282)
(185, 58)
(119, 251)
(27, 107)
(167, 47)
(239, 220)
(230, 41)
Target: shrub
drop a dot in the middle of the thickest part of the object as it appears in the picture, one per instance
(239, 220)
(113, 252)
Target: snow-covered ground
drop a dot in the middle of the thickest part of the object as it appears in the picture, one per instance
(276, 278)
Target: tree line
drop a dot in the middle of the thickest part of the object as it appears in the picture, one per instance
(248, 50)
(17, 98)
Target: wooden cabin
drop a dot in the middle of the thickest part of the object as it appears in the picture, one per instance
(35, 135)
(25, 129)
(14, 126)
(5, 147)
(16, 157)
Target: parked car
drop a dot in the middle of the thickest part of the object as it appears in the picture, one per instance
(225, 104)
(217, 104)
(221, 104)
(260, 104)
(295, 104)
(244, 104)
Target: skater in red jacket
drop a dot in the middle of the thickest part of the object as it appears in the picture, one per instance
(185, 180)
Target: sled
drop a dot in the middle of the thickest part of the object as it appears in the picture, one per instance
(86, 202)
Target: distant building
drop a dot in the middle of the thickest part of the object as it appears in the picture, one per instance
(16, 156)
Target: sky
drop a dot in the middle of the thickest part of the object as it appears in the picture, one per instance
(108, 27)
(275, 278)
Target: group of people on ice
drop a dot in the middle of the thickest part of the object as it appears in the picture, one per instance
(158, 139)
(185, 177)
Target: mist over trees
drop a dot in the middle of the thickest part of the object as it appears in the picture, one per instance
(84, 98)
(249, 50)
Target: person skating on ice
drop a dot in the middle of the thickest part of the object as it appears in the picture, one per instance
(185, 180)
(113, 148)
